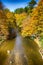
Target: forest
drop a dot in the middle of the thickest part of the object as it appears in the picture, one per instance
(25, 23)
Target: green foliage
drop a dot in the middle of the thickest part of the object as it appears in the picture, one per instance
(6, 10)
(31, 4)
(19, 10)
(26, 9)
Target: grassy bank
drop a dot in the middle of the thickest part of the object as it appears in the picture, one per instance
(7, 45)
(32, 52)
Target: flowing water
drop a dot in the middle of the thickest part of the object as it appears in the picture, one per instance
(17, 55)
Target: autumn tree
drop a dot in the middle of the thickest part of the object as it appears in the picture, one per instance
(20, 18)
(10, 22)
(7, 17)
(3, 21)
(34, 24)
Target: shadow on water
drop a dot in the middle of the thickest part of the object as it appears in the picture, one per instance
(17, 55)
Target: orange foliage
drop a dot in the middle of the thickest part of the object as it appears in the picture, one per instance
(34, 24)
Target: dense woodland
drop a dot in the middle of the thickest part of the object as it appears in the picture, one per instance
(29, 22)
(29, 19)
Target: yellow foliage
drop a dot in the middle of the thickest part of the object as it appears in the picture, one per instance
(3, 26)
(20, 18)
(34, 24)
(9, 15)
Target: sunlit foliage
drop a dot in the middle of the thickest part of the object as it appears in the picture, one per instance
(20, 18)
(34, 24)
(3, 27)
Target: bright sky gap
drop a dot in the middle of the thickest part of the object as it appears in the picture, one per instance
(14, 4)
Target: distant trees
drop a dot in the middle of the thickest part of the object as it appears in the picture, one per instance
(19, 10)
(27, 9)
(31, 4)
(22, 13)
(6, 10)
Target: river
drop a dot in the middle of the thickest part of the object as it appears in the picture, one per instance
(17, 55)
